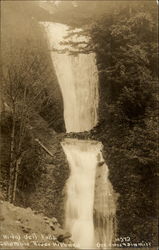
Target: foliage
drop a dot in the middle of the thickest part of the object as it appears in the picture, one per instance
(29, 90)
(126, 47)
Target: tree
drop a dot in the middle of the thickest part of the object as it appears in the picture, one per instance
(32, 104)
(125, 43)
(24, 72)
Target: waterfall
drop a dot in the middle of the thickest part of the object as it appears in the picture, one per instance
(78, 80)
(91, 201)
(82, 158)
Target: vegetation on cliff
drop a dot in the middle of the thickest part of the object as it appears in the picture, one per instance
(31, 112)
(126, 47)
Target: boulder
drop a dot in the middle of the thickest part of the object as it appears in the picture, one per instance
(57, 225)
(101, 163)
(45, 218)
(26, 229)
(68, 241)
(1, 218)
(59, 231)
(54, 220)
(18, 222)
(52, 226)
(63, 237)
(36, 212)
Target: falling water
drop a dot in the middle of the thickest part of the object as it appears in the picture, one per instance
(82, 158)
(91, 202)
(78, 79)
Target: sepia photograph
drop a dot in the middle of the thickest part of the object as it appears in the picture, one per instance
(79, 125)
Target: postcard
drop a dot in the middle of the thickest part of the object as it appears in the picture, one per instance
(79, 124)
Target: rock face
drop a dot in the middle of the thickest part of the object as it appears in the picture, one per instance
(23, 227)
(104, 205)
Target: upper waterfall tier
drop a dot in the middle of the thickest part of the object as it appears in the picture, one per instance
(77, 76)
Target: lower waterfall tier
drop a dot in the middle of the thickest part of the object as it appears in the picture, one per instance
(90, 204)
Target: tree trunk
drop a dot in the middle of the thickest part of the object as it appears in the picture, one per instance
(17, 164)
(40, 143)
(11, 167)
